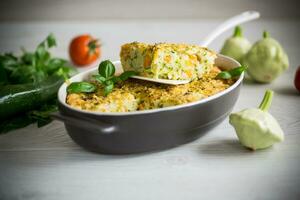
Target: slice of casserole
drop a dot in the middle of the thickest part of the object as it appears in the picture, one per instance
(167, 61)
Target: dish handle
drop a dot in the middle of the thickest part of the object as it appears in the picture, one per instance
(230, 23)
(83, 122)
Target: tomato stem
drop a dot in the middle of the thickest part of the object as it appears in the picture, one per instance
(93, 45)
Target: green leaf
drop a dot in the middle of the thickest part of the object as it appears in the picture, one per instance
(29, 59)
(66, 72)
(28, 68)
(224, 75)
(8, 59)
(26, 74)
(231, 73)
(115, 79)
(54, 64)
(109, 82)
(106, 69)
(42, 116)
(99, 78)
(237, 71)
(9, 62)
(108, 89)
(39, 76)
(125, 75)
(51, 41)
(42, 49)
(78, 87)
(41, 53)
(57, 62)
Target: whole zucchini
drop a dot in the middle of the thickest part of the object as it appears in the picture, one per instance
(23, 97)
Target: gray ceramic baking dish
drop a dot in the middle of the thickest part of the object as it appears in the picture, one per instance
(149, 130)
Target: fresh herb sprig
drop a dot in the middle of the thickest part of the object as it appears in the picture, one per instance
(106, 77)
(78, 87)
(32, 67)
(231, 73)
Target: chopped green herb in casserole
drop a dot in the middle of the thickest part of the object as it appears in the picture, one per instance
(167, 61)
(133, 95)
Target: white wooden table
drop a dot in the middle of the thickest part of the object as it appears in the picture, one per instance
(45, 163)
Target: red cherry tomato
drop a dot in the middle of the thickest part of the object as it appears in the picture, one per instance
(297, 79)
(84, 50)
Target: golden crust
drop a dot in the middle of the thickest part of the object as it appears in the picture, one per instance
(133, 95)
(168, 61)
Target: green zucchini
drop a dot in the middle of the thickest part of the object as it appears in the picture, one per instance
(15, 99)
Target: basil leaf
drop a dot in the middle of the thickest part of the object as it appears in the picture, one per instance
(108, 89)
(106, 69)
(125, 75)
(54, 64)
(65, 72)
(41, 53)
(9, 61)
(27, 74)
(231, 73)
(29, 59)
(39, 76)
(115, 79)
(109, 82)
(224, 75)
(99, 78)
(32, 67)
(42, 49)
(237, 71)
(42, 115)
(51, 42)
(78, 87)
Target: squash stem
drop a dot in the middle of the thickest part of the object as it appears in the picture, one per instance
(238, 32)
(266, 34)
(267, 100)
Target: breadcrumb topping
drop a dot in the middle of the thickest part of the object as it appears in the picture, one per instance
(134, 95)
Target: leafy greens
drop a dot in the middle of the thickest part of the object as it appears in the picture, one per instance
(32, 67)
(106, 77)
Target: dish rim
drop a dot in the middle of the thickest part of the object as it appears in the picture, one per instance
(62, 95)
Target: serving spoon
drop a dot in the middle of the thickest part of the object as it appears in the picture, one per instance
(230, 23)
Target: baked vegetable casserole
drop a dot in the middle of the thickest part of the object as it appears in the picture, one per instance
(105, 92)
(167, 61)
(134, 95)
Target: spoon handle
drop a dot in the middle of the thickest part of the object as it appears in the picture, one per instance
(230, 23)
